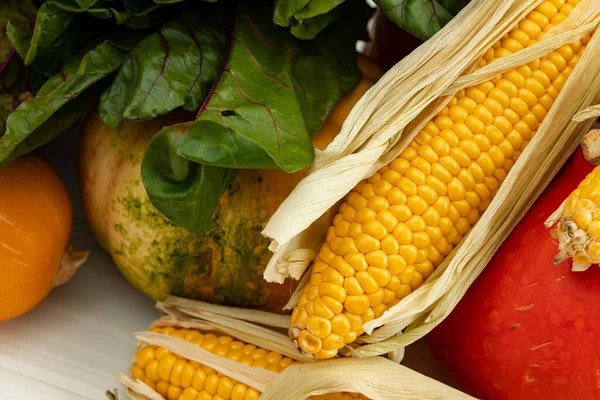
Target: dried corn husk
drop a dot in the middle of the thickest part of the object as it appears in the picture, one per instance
(590, 112)
(388, 117)
(375, 377)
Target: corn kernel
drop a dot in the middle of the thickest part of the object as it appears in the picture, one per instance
(331, 275)
(421, 255)
(367, 243)
(367, 282)
(145, 356)
(407, 275)
(313, 292)
(475, 125)
(416, 223)
(456, 190)
(428, 153)
(320, 327)
(334, 241)
(397, 196)
(388, 220)
(462, 131)
(397, 264)
(174, 392)
(377, 258)
(394, 282)
(332, 290)
(381, 275)
(431, 216)
(391, 176)
(470, 148)
(367, 192)
(376, 298)
(403, 291)
(334, 305)
(417, 204)
(416, 281)
(309, 343)
(445, 225)
(409, 253)
(165, 367)
(334, 341)
(357, 304)
(351, 262)
(450, 164)
(390, 245)
(407, 187)
(421, 165)
(352, 287)
(442, 206)
(421, 240)
(459, 159)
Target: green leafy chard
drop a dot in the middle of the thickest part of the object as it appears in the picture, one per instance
(306, 18)
(56, 95)
(17, 82)
(259, 91)
(421, 18)
(174, 67)
(271, 94)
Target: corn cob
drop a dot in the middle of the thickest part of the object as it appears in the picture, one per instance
(395, 228)
(579, 227)
(176, 378)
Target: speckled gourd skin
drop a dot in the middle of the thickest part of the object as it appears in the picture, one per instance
(159, 258)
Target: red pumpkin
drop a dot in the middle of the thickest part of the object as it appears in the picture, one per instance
(526, 328)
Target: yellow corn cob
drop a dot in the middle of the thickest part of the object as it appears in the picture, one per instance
(177, 378)
(579, 227)
(393, 229)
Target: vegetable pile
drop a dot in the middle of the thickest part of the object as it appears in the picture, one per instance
(260, 78)
(259, 92)
(190, 93)
(215, 132)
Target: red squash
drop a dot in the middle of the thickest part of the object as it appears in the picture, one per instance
(528, 329)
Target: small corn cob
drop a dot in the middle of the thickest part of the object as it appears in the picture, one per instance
(579, 227)
(395, 228)
(176, 378)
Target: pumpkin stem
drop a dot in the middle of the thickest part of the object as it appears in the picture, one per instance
(591, 146)
(70, 262)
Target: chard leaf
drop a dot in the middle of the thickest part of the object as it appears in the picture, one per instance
(51, 24)
(174, 67)
(19, 12)
(19, 35)
(17, 82)
(421, 18)
(269, 96)
(307, 18)
(61, 120)
(81, 6)
(86, 3)
(139, 7)
(55, 36)
(78, 74)
(184, 185)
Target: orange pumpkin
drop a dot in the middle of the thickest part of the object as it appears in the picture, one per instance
(35, 225)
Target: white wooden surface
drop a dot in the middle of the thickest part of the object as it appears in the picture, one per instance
(72, 346)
